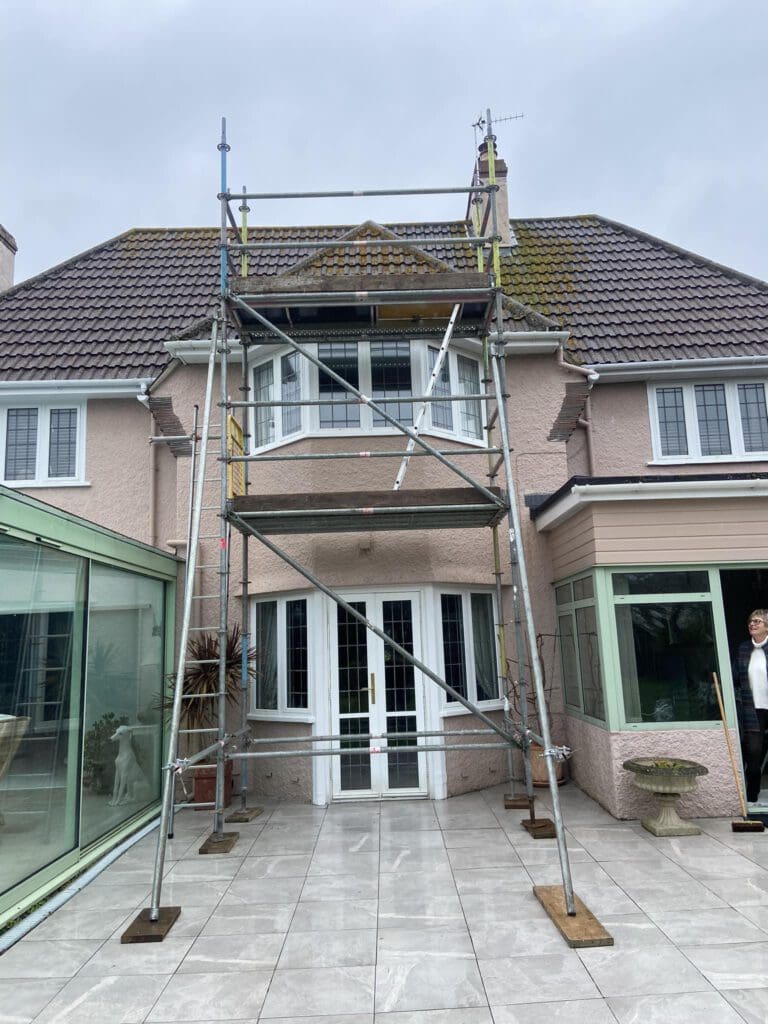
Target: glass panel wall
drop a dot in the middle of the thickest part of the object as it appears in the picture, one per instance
(124, 681)
(41, 645)
(580, 647)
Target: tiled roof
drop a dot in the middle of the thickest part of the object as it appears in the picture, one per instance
(623, 295)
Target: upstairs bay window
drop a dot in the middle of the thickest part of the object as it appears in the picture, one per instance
(42, 444)
(387, 371)
(709, 421)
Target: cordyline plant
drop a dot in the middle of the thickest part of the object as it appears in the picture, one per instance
(201, 679)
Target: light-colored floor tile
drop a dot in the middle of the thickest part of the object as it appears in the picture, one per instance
(106, 897)
(737, 966)
(745, 890)
(347, 842)
(194, 894)
(78, 924)
(569, 1011)
(414, 858)
(687, 1008)
(397, 944)
(468, 858)
(338, 863)
(630, 931)
(136, 958)
(532, 937)
(211, 997)
(350, 948)
(751, 1003)
(416, 884)
(428, 981)
(339, 915)
(321, 990)
(489, 908)
(708, 927)
(466, 1015)
(422, 912)
(212, 955)
(528, 979)
(333, 1018)
(686, 896)
(477, 838)
(340, 887)
(263, 890)
(21, 1001)
(119, 1000)
(293, 865)
(641, 972)
(249, 919)
(492, 880)
(48, 958)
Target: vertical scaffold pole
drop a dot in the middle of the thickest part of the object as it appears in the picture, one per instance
(517, 551)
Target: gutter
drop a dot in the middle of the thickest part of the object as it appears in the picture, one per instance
(126, 387)
(617, 373)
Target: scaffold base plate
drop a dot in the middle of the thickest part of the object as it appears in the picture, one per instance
(144, 929)
(512, 802)
(221, 842)
(580, 931)
(247, 814)
(542, 828)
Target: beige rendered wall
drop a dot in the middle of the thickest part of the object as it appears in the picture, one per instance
(117, 461)
(598, 755)
(621, 438)
(283, 778)
(468, 770)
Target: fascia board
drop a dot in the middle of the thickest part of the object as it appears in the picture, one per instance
(582, 495)
(531, 343)
(679, 369)
(52, 389)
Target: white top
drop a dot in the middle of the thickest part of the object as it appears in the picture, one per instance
(758, 675)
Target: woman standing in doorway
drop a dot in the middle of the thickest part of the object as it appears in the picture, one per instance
(750, 681)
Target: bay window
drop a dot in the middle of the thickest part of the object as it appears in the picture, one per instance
(579, 647)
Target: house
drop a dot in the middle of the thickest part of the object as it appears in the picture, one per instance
(636, 381)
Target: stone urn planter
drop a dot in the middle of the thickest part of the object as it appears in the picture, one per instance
(667, 778)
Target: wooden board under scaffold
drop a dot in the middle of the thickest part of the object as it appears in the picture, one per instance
(580, 931)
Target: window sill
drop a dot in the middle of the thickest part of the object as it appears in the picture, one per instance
(358, 432)
(484, 705)
(43, 484)
(281, 716)
(707, 460)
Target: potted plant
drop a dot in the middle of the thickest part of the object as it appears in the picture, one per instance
(539, 774)
(201, 682)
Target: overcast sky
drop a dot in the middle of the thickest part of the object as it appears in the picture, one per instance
(651, 112)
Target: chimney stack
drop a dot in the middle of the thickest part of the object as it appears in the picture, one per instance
(502, 198)
(7, 258)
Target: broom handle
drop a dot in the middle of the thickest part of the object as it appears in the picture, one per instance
(736, 778)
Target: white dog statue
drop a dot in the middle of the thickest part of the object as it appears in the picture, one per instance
(130, 780)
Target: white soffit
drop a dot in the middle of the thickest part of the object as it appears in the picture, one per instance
(582, 495)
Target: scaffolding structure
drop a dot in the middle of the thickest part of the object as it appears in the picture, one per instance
(283, 311)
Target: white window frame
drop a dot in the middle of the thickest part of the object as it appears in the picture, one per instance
(733, 411)
(452, 707)
(44, 409)
(282, 712)
(310, 415)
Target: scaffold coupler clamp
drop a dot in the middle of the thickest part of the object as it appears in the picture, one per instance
(558, 753)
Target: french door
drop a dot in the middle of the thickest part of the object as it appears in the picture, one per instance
(377, 691)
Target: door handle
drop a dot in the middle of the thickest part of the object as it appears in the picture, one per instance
(372, 688)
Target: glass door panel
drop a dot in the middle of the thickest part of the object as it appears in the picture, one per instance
(400, 694)
(353, 698)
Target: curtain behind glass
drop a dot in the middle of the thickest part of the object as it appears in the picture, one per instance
(266, 657)
(484, 647)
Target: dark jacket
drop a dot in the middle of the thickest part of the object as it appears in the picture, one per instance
(745, 705)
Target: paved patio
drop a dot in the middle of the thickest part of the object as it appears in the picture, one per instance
(410, 913)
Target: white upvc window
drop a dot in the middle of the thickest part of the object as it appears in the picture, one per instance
(280, 632)
(711, 421)
(468, 637)
(42, 444)
(387, 371)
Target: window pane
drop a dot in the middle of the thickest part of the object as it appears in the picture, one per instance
(469, 384)
(563, 594)
(583, 589)
(671, 410)
(568, 661)
(667, 656)
(484, 646)
(453, 643)
(42, 621)
(754, 417)
(442, 414)
(124, 684)
(352, 639)
(62, 449)
(262, 392)
(391, 377)
(713, 419)
(296, 653)
(589, 662)
(290, 381)
(341, 357)
(266, 661)
(696, 582)
(21, 444)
